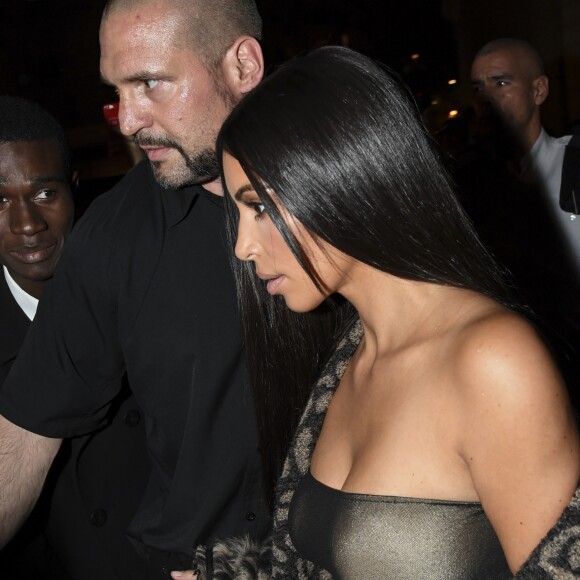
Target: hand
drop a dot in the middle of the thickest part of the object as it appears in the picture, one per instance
(184, 574)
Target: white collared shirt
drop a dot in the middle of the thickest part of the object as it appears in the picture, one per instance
(27, 302)
(543, 164)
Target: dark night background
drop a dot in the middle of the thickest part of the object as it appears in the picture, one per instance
(49, 50)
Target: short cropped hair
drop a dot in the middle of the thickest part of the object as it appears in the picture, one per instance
(24, 120)
(210, 26)
(535, 62)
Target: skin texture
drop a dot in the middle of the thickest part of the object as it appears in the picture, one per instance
(170, 102)
(449, 395)
(36, 211)
(21, 474)
(508, 79)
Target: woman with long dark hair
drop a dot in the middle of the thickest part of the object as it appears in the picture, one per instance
(436, 439)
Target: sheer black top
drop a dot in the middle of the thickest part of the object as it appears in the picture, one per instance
(356, 536)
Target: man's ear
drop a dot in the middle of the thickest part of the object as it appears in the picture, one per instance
(243, 65)
(541, 89)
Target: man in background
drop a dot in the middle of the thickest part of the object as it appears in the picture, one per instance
(36, 216)
(508, 74)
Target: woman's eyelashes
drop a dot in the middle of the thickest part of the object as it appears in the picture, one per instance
(257, 206)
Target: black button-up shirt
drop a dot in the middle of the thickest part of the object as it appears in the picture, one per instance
(144, 287)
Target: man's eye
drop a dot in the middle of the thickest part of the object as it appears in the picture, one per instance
(44, 194)
(151, 84)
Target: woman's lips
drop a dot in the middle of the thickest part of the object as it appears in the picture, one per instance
(273, 282)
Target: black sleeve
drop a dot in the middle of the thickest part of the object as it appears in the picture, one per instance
(71, 365)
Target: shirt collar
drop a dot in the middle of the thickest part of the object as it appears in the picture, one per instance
(27, 302)
(178, 202)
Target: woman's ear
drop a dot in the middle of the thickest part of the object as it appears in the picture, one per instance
(243, 66)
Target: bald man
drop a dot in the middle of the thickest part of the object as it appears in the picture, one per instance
(144, 289)
(508, 74)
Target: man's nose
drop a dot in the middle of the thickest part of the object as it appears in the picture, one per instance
(132, 116)
(26, 220)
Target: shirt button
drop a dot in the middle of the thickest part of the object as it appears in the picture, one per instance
(132, 418)
(98, 517)
(250, 516)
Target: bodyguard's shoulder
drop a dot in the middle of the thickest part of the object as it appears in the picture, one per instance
(133, 190)
(134, 199)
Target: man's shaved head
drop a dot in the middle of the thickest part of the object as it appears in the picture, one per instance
(210, 26)
(508, 74)
(534, 65)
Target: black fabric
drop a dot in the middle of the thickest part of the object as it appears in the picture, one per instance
(374, 537)
(94, 489)
(144, 287)
(570, 185)
(28, 554)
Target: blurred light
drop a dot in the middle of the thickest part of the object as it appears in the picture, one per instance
(452, 82)
(453, 113)
(415, 56)
(435, 102)
(345, 39)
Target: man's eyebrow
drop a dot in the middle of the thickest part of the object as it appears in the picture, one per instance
(142, 75)
(242, 190)
(496, 77)
(502, 76)
(38, 179)
(48, 179)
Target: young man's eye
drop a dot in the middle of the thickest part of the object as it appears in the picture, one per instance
(44, 194)
(150, 83)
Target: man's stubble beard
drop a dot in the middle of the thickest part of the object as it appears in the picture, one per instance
(191, 170)
(199, 169)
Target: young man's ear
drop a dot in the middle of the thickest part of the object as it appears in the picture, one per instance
(243, 65)
(541, 89)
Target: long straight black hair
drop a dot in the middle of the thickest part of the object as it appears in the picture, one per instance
(339, 140)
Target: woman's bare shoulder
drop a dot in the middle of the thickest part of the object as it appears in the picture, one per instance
(519, 437)
(500, 357)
